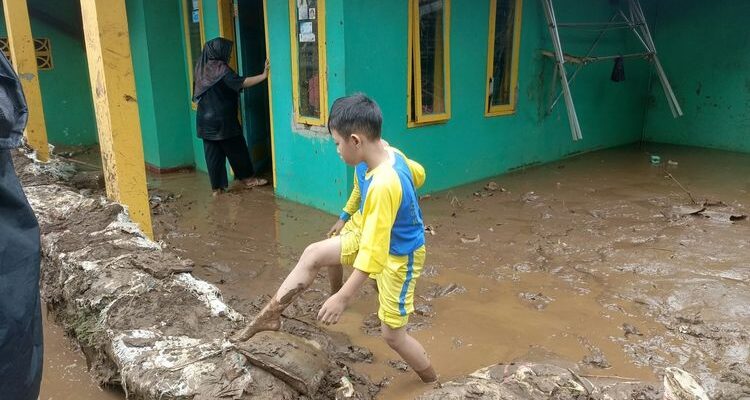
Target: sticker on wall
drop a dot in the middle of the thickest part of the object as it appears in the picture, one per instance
(306, 37)
(302, 10)
(306, 34)
(196, 17)
(312, 13)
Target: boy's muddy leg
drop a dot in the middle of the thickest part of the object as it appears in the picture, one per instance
(410, 351)
(269, 318)
(335, 277)
(315, 256)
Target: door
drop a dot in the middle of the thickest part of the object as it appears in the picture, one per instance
(250, 39)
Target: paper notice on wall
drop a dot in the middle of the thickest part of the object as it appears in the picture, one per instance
(306, 27)
(195, 4)
(306, 37)
(312, 13)
(196, 18)
(302, 10)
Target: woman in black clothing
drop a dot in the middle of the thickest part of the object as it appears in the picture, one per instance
(216, 90)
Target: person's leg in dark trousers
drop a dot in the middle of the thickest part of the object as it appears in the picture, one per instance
(216, 164)
(21, 345)
(239, 158)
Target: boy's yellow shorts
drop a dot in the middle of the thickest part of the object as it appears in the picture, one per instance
(395, 284)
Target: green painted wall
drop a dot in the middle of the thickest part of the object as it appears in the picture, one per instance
(308, 170)
(471, 146)
(160, 82)
(705, 51)
(69, 116)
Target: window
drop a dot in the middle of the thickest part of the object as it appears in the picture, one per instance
(429, 62)
(42, 48)
(194, 36)
(502, 57)
(309, 90)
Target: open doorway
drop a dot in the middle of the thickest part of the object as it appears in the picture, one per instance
(243, 22)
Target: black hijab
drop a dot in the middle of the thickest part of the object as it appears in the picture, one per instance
(212, 65)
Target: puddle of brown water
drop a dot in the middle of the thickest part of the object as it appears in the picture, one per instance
(65, 374)
(246, 242)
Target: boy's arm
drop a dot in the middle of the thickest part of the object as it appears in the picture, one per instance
(352, 205)
(378, 215)
(417, 173)
(336, 304)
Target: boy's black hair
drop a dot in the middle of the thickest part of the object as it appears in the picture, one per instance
(356, 113)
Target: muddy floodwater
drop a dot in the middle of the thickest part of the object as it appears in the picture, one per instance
(601, 261)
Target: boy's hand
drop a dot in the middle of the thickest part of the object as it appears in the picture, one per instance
(336, 228)
(332, 309)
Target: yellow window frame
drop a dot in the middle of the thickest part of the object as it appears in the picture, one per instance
(417, 118)
(188, 51)
(510, 108)
(322, 65)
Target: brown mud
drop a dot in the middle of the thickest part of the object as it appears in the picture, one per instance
(144, 323)
(602, 261)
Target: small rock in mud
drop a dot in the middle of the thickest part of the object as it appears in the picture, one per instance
(493, 186)
(629, 329)
(218, 268)
(93, 180)
(457, 343)
(424, 310)
(535, 300)
(371, 325)
(529, 197)
(597, 359)
(358, 354)
(399, 365)
(429, 271)
(436, 291)
(475, 239)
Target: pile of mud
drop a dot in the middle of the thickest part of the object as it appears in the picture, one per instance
(146, 324)
(535, 381)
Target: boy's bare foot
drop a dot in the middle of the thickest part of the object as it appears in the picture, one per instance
(428, 375)
(269, 323)
(269, 318)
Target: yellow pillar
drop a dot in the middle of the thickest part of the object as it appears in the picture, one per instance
(23, 57)
(105, 28)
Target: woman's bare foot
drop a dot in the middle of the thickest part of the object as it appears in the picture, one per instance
(253, 182)
(217, 192)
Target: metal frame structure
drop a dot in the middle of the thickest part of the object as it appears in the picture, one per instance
(634, 20)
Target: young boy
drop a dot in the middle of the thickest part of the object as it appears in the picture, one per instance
(381, 236)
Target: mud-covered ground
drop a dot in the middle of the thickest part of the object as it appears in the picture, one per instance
(601, 263)
(146, 325)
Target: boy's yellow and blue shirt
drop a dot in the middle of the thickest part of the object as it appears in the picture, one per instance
(384, 206)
